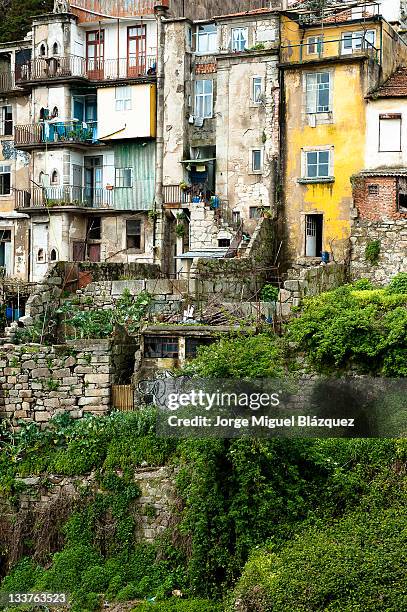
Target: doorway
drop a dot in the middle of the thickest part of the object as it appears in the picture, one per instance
(136, 50)
(313, 235)
(95, 52)
(39, 251)
(93, 181)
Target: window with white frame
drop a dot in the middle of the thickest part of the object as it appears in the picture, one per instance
(124, 177)
(123, 98)
(239, 39)
(204, 98)
(5, 179)
(317, 164)
(6, 120)
(315, 45)
(355, 41)
(206, 38)
(257, 89)
(256, 160)
(390, 132)
(318, 91)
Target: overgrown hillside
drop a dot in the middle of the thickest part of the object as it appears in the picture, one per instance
(16, 17)
(270, 525)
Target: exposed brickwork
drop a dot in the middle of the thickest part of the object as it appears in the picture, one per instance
(375, 198)
(206, 68)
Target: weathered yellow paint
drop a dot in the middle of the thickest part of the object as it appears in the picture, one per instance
(352, 78)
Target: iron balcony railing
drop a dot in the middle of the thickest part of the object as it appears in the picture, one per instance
(48, 132)
(66, 195)
(347, 46)
(98, 69)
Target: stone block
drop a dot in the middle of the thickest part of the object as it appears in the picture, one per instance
(42, 416)
(97, 378)
(40, 373)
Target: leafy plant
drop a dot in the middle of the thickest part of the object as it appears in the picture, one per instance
(269, 293)
(398, 283)
(372, 252)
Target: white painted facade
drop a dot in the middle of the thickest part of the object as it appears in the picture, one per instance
(379, 112)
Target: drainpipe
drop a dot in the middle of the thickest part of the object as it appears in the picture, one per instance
(159, 12)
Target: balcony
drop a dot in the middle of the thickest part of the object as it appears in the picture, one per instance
(345, 47)
(65, 196)
(55, 134)
(8, 83)
(74, 68)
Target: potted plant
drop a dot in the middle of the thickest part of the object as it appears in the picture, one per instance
(183, 186)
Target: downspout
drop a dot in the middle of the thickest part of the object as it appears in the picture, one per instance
(159, 149)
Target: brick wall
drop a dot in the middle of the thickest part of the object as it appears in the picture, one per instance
(375, 198)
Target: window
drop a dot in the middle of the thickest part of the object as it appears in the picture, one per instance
(53, 255)
(124, 177)
(239, 39)
(373, 190)
(223, 242)
(256, 160)
(94, 228)
(402, 194)
(41, 255)
(318, 87)
(254, 212)
(133, 234)
(257, 87)
(236, 216)
(204, 98)
(192, 344)
(390, 132)
(206, 38)
(123, 98)
(317, 164)
(315, 45)
(6, 121)
(43, 50)
(55, 49)
(355, 41)
(54, 177)
(164, 347)
(5, 179)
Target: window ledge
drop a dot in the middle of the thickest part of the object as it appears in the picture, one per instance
(305, 181)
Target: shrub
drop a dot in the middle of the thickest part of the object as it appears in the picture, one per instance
(269, 293)
(372, 252)
(362, 284)
(398, 283)
(181, 605)
(354, 564)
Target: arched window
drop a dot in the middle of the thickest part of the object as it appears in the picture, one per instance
(43, 50)
(40, 255)
(41, 178)
(55, 49)
(54, 177)
(53, 256)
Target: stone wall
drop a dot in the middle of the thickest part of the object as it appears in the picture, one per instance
(38, 381)
(305, 282)
(392, 235)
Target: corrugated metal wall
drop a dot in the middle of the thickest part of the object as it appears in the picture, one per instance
(140, 157)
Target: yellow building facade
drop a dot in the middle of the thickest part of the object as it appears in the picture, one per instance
(327, 70)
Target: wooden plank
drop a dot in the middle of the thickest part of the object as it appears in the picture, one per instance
(122, 397)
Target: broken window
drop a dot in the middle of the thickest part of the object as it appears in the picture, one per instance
(5, 179)
(373, 190)
(318, 87)
(6, 121)
(206, 38)
(402, 194)
(192, 344)
(133, 234)
(390, 132)
(164, 347)
(94, 228)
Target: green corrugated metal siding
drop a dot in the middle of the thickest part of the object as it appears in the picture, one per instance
(140, 157)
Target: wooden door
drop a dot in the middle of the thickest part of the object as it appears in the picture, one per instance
(94, 252)
(95, 54)
(136, 50)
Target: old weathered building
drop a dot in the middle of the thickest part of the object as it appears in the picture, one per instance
(221, 131)
(328, 67)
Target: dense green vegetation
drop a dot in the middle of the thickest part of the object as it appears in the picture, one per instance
(17, 17)
(270, 525)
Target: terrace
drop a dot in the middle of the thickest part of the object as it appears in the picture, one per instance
(64, 196)
(55, 133)
(351, 44)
